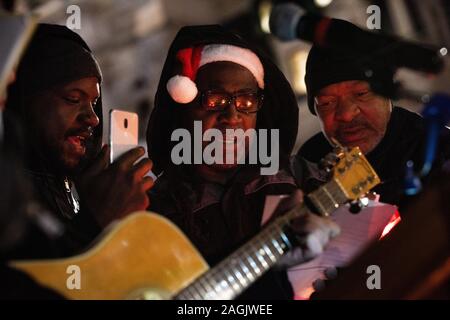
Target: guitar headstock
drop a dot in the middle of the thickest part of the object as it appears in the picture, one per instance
(352, 177)
(353, 173)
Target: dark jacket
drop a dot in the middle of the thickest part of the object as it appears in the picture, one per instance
(52, 58)
(21, 236)
(405, 140)
(55, 55)
(219, 218)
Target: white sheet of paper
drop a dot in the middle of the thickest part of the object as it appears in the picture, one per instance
(357, 232)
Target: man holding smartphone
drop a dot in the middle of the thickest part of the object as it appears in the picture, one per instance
(56, 100)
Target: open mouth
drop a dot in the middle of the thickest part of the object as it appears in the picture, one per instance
(77, 143)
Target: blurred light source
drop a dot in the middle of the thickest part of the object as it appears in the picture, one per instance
(298, 67)
(322, 3)
(395, 219)
(265, 7)
(143, 25)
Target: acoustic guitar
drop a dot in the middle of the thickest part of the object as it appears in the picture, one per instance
(145, 256)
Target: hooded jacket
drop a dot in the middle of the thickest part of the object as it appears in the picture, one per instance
(279, 111)
(55, 55)
(219, 218)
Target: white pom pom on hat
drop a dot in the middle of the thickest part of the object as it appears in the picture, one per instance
(183, 89)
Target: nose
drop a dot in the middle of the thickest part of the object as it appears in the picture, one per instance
(230, 116)
(88, 116)
(346, 110)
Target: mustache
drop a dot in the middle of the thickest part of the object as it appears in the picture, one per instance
(355, 123)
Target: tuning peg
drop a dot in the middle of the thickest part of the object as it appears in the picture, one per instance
(326, 165)
(371, 195)
(329, 161)
(357, 205)
(337, 145)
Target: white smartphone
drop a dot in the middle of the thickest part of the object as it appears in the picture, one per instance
(123, 132)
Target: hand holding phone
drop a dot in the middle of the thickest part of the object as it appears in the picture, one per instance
(112, 191)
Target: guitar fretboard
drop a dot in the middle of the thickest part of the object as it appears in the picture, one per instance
(233, 275)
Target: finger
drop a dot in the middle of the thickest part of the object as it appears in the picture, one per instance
(130, 157)
(335, 230)
(142, 168)
(100, 163)
(321, 228)
(314, 245)
(323, 236)
(147, 183)
(307, 223)
(331, 227)
(318, 285)
(331, 273)
(313, 222)
(144, 203)
(294, 257)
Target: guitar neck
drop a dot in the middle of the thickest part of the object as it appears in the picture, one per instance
(236, 273)
(328, 198)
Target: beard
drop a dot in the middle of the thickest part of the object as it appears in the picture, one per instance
(61, 162)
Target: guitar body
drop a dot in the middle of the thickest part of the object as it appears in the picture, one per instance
(142, 256)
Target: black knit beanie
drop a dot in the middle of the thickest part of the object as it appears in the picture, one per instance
(326, 66)
(56, 55)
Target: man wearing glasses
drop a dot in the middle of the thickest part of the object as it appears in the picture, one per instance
(214, 78)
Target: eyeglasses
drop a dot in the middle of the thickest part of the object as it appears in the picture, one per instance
(245, 102)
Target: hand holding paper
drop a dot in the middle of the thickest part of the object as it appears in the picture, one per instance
(357, 232)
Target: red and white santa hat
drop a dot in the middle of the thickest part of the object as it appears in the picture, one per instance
(182, 87)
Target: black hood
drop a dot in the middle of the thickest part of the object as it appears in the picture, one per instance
(279, 110)
(56, 55)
